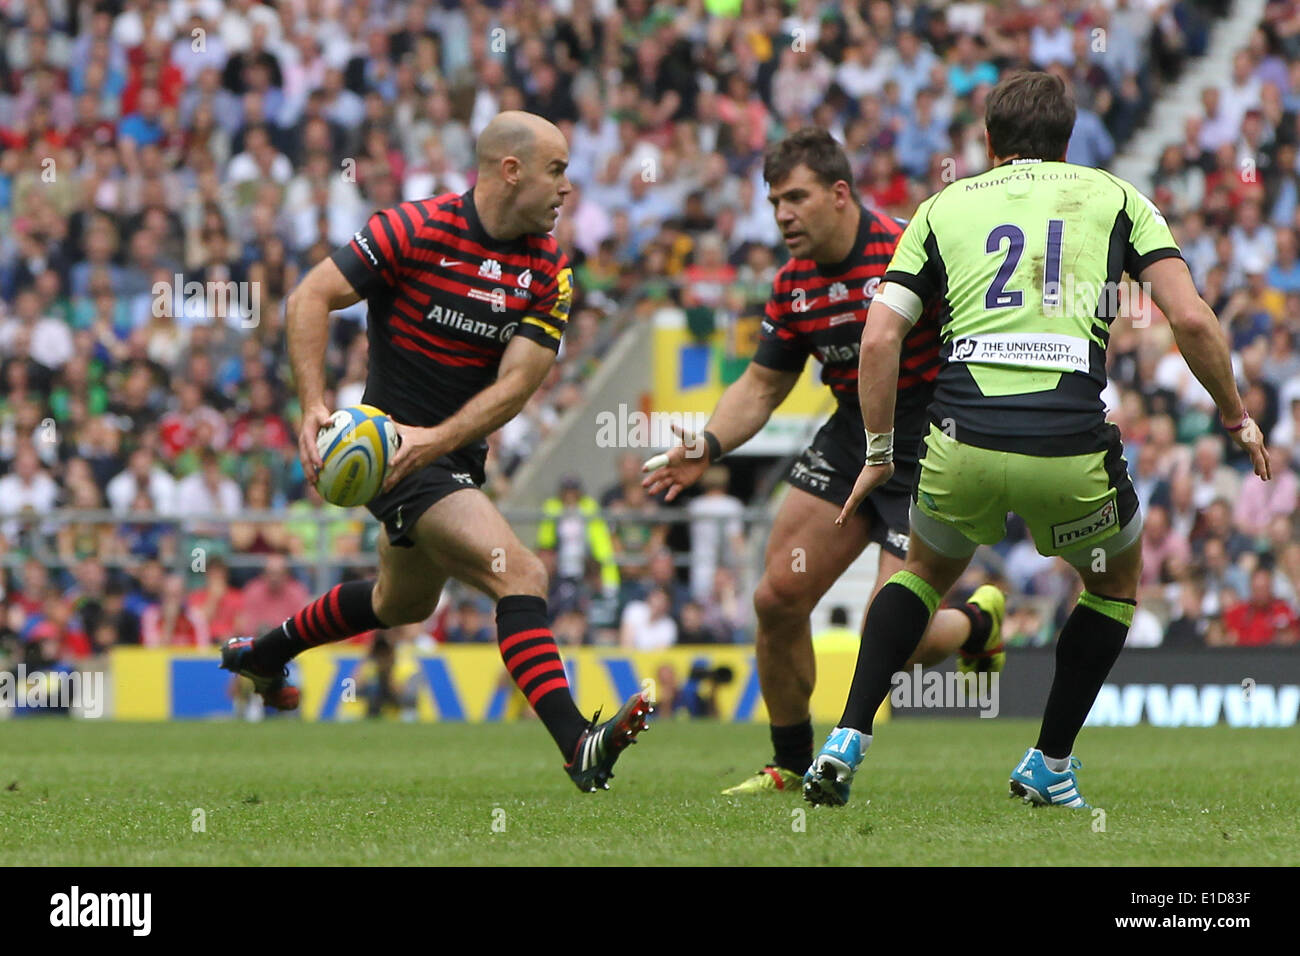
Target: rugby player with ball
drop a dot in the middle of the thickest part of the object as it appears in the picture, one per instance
(468, 296)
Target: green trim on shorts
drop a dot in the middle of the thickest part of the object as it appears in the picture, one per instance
(918, 586)
(1121, 611)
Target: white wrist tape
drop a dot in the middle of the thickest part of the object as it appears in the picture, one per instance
(880, 448)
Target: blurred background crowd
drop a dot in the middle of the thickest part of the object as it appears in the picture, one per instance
(147, 144)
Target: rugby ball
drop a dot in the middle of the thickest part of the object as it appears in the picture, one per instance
(355, 448)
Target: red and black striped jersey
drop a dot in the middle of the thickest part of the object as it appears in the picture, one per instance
(445, 299)
(819, 310)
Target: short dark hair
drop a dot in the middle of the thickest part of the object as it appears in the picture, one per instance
(1031, 115)
(811, 147)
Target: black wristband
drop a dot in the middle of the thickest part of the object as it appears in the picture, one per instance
(715, 446)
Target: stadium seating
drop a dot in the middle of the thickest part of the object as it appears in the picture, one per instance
(146, 146)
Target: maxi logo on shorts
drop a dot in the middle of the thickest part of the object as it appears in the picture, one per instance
(1076, 532)
(1064, 353)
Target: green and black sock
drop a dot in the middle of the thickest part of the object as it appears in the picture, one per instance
(1087, 649)
(895, 625)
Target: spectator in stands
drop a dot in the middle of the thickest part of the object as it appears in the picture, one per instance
(303, 527)
(258, 537)
(471, 625)
(28, 490)
(648, 625)
(692, 628)
(570, 628)
(1258, 502)
(273, 596)
(575, 534)
(837, 637)
(717, 532)
(208, 491)
(387, 685)
(84, 538)
(227, 163)
(32, 585)
(110, 623)
(217, 604)
(172, 622)
(629, 477)
(1164, 551)
(1188, 627)
(1211, 479)
(726, 610)
(142, 474)
(1261, 618)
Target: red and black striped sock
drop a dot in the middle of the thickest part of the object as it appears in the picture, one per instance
(980, 625)
(528, 649)
(343, 611)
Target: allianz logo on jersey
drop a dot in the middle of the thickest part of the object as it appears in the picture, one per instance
(455, 319)
(1064, 353)
(828, 354)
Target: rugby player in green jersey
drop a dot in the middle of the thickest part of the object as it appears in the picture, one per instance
(1025, 258)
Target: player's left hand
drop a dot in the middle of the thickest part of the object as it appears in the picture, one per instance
(417, 447)
(869, 479)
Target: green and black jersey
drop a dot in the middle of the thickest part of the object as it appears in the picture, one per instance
(1027, 258)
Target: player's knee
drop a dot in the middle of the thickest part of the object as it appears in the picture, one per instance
(1120, 579)
(524, 573)
(779, 597)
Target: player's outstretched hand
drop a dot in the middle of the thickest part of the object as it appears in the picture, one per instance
(679, 467)
(314, 419)
(869, 479)
(1251, 440)
(416, 447)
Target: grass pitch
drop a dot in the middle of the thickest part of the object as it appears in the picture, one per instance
(932, 792)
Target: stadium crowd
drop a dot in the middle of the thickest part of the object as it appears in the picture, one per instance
(148, 145)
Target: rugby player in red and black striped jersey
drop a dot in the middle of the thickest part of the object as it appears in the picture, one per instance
(467, 299)
(839, 251)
